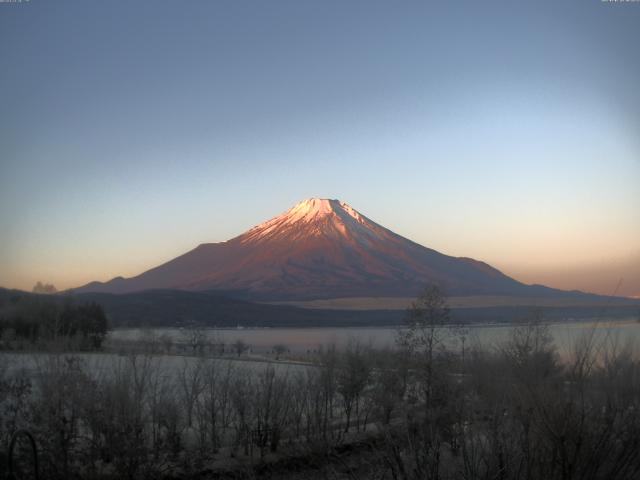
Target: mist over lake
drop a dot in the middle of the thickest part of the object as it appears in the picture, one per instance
(300, 340)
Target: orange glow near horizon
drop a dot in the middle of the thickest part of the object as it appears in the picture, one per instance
(615, 275)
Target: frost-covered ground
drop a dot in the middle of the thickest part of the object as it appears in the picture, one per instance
(35, 363)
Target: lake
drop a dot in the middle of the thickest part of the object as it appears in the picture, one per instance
(301, 340)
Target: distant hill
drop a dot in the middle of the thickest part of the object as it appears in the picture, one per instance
(322, 249)
(169, 308)
(176, 308)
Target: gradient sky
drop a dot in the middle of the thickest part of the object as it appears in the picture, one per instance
(131, 131)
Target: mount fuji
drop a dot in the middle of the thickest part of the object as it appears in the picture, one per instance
(320, 249)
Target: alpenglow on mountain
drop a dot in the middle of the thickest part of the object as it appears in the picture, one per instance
(318, 249)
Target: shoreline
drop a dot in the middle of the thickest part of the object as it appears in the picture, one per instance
(595, 320)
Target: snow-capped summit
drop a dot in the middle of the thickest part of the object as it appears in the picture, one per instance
(311, 208)
(319, 248)
(315, 217)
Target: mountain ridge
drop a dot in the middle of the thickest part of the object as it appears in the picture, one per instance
(320, 248)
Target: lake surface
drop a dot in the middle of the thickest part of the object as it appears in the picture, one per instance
(623, 333)
(108, 364)
(301, 340)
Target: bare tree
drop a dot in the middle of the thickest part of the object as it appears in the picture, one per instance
(390, 379)
(196, 338)
(239, 346)
(425, 335)
(167, 343)
(272, 405)
(191, 384)
(353, 376)
(279, 349)
(242, 403)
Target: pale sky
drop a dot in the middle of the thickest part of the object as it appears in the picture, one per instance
(130, 132)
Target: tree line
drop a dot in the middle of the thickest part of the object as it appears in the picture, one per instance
(28, 321)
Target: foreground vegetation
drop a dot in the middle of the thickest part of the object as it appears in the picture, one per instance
(417, 412)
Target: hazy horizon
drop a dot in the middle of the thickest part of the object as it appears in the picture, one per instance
(133, 132)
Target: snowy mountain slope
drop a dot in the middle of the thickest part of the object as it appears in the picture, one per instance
(319, 248)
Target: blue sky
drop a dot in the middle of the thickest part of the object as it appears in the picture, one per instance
(132, 131)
